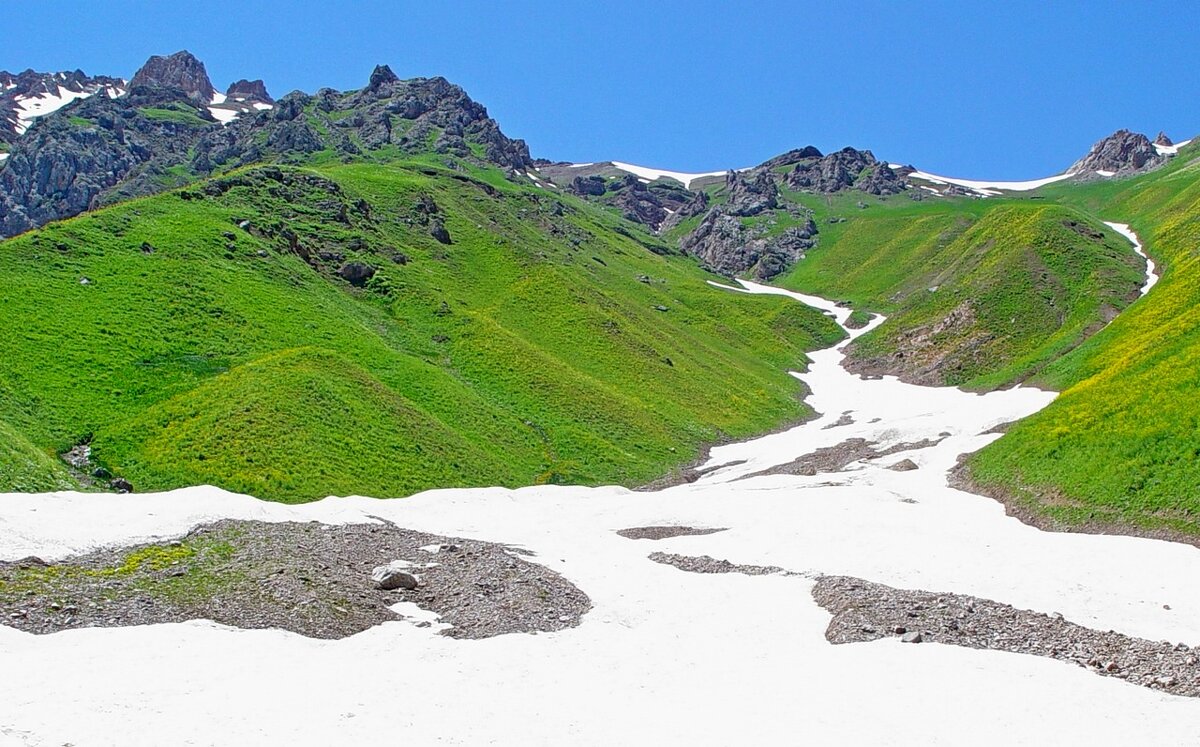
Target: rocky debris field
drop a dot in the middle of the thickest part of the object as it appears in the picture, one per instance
(866, 611)
(836, 458)
(666, 532)
(309, 578)
(708, 564)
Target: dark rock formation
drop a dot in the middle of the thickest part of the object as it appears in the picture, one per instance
(249, 90)
(844, 169)
(104, 149)
(31, 85)
(1122, 152)
(750, 193)
(1162, 139)
(180, 71)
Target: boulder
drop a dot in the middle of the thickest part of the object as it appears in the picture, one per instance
(394, 575)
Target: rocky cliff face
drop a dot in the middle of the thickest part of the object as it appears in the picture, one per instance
(180, 71)
(848, 168)
(1122, 152)
(103, 148)
(26, 95)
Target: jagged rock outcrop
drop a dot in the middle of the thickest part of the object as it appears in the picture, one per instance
(102, 148)
(22, 94)
(1163, 140)
(250, 91)
(845, 169)
(750, 193)
(725, 244)
(180, 71)
(1122, 152)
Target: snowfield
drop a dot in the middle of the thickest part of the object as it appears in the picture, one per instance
(650, 175)
(664, 656)
(989, 188)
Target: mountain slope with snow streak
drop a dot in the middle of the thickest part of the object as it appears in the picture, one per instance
(664, 656)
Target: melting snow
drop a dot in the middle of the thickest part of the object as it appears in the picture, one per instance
(224, 116)
(1127, 232)
(1104, 172)
(1169, 150)
(664, 656)
(650, 175)
(988, 187)
(31, 107)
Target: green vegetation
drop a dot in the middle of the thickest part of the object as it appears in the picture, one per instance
(978, 293)
(222, 345)
(1121, 445)
(177, 113)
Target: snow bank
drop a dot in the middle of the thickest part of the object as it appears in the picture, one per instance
(1169, 150)
(649, 174)
(664, 656)
(985, 187)
(31, 107)
(1127, 232)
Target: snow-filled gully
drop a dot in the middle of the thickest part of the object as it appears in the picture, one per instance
(664, 656)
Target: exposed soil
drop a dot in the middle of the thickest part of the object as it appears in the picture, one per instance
(865, 611)
(310, 578)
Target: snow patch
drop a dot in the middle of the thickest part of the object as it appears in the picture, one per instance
(987, 187)
(1170, 150)
(224, 116)
(650, 175)
(32, 107)
(261, 106)
(1127, 232)
(1105, 172)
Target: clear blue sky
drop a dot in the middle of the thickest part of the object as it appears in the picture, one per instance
(995, 90)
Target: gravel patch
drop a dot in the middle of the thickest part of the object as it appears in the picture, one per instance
(309, 578)
(706, 564)
(845, 419)
(662, 533)
(866, 611)
(837, 458)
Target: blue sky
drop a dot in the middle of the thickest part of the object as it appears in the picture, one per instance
(987, 90)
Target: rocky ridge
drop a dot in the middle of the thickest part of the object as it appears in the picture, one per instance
(31, 93)
(1122, 152)
(172, 127)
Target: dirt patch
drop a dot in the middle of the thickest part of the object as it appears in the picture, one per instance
(865, 611)
(310, 578)
(661, 533)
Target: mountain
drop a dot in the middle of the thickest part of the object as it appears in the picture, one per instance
(1122, 152)
(29, 95)
(164, 133)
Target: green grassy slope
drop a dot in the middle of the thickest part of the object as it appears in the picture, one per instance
(1121, 445)
(978, 293)
(206, 335)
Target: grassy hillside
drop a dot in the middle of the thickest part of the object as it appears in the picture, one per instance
(1121, 445)
(297, 332)
(978, 293)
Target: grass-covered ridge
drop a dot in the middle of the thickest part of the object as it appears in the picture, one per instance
(1121, 445)
(978, 293)
(297, 332)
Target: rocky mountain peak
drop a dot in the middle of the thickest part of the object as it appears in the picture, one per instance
(381, 76)
(250, 90)
(1122, 152)
(1162, 139)
(181, 71)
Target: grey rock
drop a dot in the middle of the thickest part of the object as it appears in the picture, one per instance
(394, 576)
(911, 636)
(1122, 152)
(180, 71)
(904, 465)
